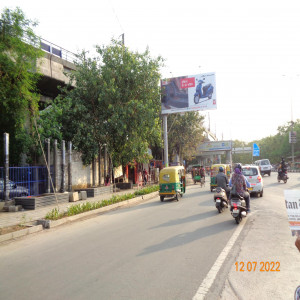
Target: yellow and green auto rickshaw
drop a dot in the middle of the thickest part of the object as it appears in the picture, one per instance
(214, 170)
(172, 182)
(196, 173)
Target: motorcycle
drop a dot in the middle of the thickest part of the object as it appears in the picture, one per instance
(205, 92)
(221, 200)
(238, 207)
(282, 175)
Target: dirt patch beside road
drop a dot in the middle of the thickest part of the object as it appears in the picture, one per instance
(12, 228)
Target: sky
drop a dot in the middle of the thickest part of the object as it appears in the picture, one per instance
(252, 46)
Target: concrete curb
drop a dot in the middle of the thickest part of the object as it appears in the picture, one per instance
(51, 224)
(20, 233)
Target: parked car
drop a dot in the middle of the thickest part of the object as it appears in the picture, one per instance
(264, 166)
(14, 189)
(254, 177)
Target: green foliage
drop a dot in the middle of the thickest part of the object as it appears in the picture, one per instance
(275, 147)
(243, 158)
(76, 209)
(54, 214)
(147, 190)
(116, 102)
(19, 50)
(185, 133)
(271, 147)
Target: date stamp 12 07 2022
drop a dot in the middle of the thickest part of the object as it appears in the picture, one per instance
(262, 266)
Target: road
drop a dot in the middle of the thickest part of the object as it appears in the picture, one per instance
(150, 251)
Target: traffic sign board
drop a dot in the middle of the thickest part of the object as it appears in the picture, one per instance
(255, 150)
(293, 137)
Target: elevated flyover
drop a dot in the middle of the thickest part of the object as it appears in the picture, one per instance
(54, 66)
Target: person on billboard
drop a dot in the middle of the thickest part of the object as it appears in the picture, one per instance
(297, 242)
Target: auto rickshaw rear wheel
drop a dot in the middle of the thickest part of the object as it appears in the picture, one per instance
(162, 198)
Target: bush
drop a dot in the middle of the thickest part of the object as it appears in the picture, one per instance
(76, 209)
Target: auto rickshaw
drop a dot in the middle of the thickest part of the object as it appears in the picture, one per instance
(172, 182)
(214, 170)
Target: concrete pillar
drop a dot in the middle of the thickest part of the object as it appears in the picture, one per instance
(63, 164)
(55, 163)
(229, 157)
(99, 166)
(47, 142)
(70, 166)
(93, 172)
(105, 161)
(6, 166)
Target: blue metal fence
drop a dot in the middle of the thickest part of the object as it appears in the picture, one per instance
(24, 181)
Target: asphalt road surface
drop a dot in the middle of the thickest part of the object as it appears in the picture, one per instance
(155, 250)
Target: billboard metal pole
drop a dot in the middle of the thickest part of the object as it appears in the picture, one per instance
(166, 154)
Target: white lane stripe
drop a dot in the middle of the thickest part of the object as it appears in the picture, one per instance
(211, 275)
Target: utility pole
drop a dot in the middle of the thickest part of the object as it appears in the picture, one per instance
(166, 154)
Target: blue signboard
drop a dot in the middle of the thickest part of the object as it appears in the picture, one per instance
(255, 151)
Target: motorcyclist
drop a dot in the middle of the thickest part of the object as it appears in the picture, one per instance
(282, 168)
(222, 181)
(240, 182)
(202, 172)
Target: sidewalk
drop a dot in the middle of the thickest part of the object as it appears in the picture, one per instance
(27, 216)
(266, 240)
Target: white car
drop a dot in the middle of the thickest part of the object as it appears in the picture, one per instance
(264, 166)
(255, 179)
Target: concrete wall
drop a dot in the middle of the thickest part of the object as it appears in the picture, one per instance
(81, 175)
(54, 67)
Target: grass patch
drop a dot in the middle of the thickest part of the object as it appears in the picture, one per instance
(76, 209)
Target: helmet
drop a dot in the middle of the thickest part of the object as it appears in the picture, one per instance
(238, 165)
(221, 169)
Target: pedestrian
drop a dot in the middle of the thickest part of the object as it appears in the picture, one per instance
(145, 176)
(202, 172)
(107, 179)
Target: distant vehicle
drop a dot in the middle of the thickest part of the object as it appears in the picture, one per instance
(254, 177)
(265, 166)
(14, 189)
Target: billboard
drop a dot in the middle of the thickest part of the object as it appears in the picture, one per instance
(292, 203)
(293, 137)
(188, 93)
(215, 146)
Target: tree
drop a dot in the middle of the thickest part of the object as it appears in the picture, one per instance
(116, 101)
(275, 147)
(185, 134)
(19, 50)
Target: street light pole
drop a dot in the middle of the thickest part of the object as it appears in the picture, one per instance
(292, 122)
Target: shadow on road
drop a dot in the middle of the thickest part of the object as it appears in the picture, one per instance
(189, 237)
(193, 218)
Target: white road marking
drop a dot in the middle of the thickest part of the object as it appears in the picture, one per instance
(211, 275)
